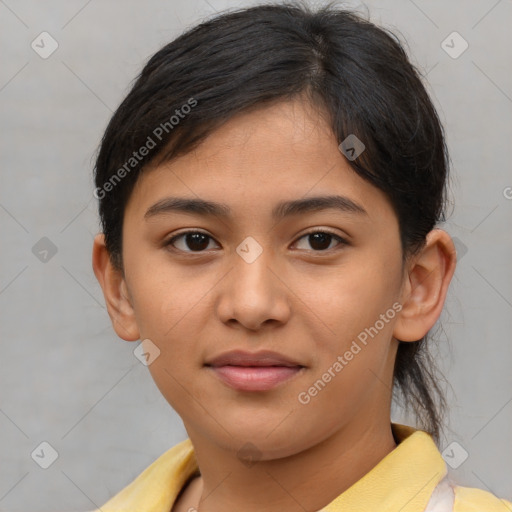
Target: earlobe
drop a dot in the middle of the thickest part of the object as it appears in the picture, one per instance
(426, 282)
(115, 291)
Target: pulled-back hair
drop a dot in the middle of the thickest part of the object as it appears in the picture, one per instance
(353, 72)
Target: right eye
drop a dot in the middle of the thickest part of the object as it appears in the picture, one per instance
(196, 241)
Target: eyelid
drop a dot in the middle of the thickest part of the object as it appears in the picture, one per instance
(342, 240)
(169, 241)
(329, 231)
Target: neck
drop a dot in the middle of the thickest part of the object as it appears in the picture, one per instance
(308, 480)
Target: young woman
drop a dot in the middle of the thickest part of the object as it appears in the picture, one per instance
(269, 192)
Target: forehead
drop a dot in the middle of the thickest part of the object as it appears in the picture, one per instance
(259, 158)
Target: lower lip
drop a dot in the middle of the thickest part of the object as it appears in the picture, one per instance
(255, 378)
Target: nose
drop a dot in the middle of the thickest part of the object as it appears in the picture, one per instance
(253, 293)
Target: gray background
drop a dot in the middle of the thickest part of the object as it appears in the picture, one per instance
(65, 376)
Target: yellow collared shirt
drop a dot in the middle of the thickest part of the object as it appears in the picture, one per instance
(403, 481)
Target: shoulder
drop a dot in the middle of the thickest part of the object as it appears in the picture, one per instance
(470, 499)
(159, 483)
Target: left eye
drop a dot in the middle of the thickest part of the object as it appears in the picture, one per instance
(197, 241)
(321, 240)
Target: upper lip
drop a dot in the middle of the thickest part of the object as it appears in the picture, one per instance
(242, 358)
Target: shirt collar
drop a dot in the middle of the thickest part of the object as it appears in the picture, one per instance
(402, 481)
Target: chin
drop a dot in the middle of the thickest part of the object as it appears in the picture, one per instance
(261, 441)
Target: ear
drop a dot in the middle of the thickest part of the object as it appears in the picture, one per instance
(115, 291)
(426, 282)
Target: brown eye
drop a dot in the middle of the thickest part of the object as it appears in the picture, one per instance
(321, 240)
(190, 241)
(197, 241)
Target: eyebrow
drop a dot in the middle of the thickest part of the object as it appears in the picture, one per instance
(284, 209)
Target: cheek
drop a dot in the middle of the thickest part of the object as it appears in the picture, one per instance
(168, 298)
(172, 310)
(350, 299)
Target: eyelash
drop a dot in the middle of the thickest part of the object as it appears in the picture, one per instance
(342, 241)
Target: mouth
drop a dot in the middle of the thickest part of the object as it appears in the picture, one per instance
(261, 371)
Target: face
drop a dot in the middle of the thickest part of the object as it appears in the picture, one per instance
(254, 276)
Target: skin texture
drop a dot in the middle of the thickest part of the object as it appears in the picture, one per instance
(305, 303)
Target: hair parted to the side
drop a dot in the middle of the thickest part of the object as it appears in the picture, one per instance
(356, 74)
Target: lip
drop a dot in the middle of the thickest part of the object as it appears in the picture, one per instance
(261, 358)
(259, 371)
